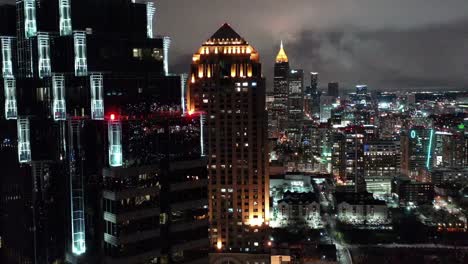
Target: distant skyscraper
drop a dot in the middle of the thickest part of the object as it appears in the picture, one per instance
(333, 89)
(362, 96)
(314, 102)
(313, 82)
(295, 104)
(417, 147)
(226, 86)
(281, 92)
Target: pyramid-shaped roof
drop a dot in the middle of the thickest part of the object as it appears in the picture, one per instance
(281, 57)
(226, 32)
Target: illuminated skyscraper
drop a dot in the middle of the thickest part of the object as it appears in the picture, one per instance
(279, 116)
(62, 75)
(295, 104)
(314, 82)
(226, 86)
(314, 95)
(417, 151)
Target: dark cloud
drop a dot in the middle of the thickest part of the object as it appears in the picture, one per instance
(386, 44)
(387, 59)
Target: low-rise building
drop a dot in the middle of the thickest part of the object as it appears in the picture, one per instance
(361, 209)
(297, 208)
(413, 193)
(379, 185)
(449, 175)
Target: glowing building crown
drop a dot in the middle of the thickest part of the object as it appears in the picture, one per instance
(281, 57)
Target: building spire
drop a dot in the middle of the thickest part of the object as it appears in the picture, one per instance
(281, 57)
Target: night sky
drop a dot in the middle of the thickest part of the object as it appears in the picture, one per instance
(394, 44)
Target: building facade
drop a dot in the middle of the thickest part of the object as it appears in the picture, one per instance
(382, 158)
(361, 209)
(66, 85)
(228, 90)
(417, 146)
(299, 209)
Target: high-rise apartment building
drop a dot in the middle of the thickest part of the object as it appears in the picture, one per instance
(228, 90)
(417, 146)
(382, 158)
(155, 202)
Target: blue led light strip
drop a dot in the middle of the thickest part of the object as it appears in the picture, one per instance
(78, 227)
(429, 150)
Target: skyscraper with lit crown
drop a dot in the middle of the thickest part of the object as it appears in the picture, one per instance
(227, 88)
(279, 117)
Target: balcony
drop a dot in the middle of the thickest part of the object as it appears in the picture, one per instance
(188, 185)
(201, 243)
(183, 226)
(122, 217)
(129, 193)
(190, 205)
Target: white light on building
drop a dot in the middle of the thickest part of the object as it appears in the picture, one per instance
(97, 96)
(115, 143)
(166, 46)
(11, 110)
(65, 18)
(150, 13)
(81, 62)
(43, 44)
(24, 144)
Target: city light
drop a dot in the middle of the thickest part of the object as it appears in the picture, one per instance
(429, 149)
(112, 153)
(97, 96)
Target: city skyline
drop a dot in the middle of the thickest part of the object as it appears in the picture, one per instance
(341, 40)
(286, 137)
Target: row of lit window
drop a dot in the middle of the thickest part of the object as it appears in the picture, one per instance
(226, 49)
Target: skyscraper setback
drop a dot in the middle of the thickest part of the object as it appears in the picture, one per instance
(227, 88)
